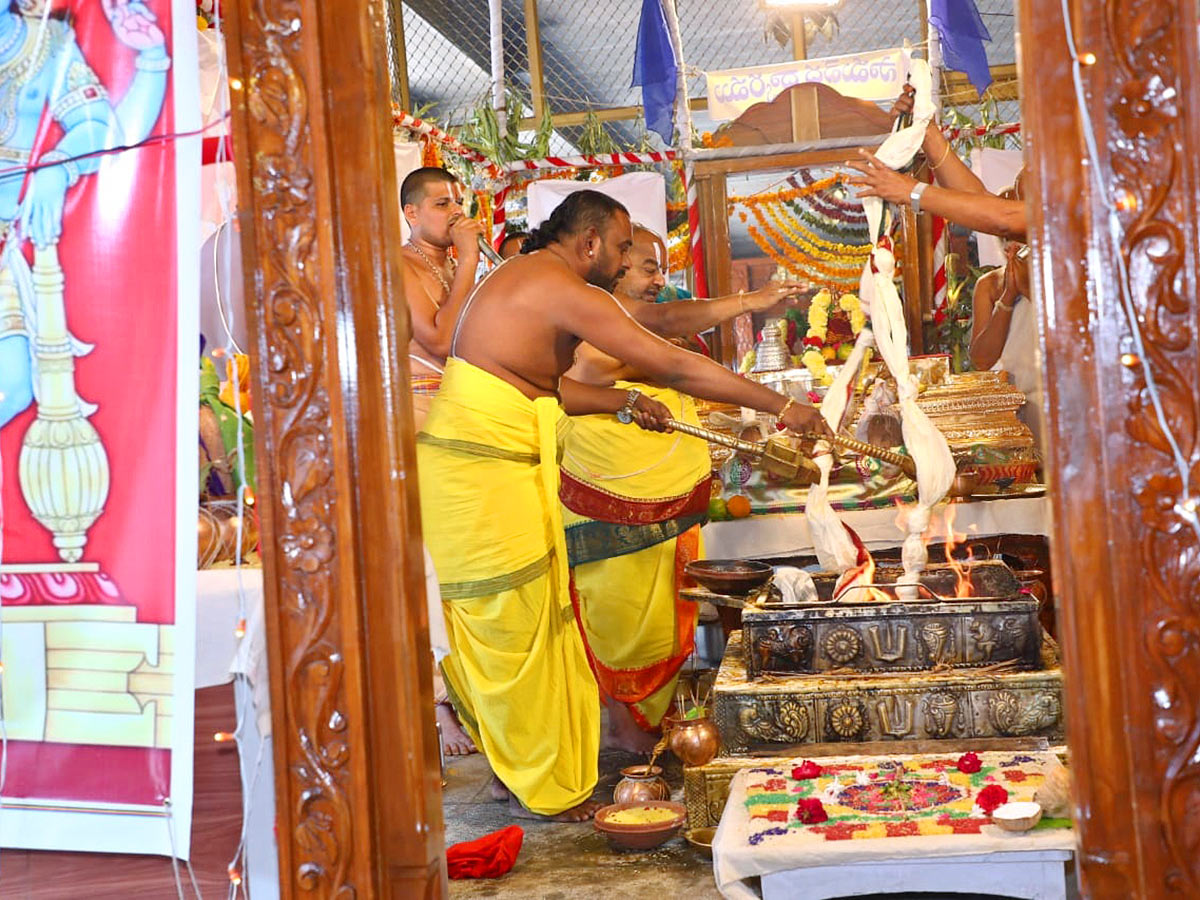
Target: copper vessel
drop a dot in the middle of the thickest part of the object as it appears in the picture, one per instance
(695, 741)
(641, 784)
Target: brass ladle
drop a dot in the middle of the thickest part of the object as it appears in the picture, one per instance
(787, 461)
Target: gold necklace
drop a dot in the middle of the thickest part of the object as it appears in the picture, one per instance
(434, 269)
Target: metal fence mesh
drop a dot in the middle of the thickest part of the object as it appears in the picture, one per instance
(588, 50)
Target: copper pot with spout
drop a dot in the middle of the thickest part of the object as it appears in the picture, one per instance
(695, 741)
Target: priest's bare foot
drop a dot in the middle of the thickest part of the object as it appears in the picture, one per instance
(455, 741)
(581, 813)
(498, 791)
(624, 733)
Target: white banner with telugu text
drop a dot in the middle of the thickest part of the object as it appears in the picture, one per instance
(877, 75)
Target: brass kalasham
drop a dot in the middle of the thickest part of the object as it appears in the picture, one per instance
(783, 459)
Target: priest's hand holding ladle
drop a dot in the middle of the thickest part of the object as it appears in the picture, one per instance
(803, 419)
(651, 415)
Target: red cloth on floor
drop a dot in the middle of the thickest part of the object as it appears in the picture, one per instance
(487, 857)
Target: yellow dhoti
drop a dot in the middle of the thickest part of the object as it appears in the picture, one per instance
(517, 672)
(633, 502)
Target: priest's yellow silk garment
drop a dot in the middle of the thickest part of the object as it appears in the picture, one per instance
(517, 672)
(633, 504)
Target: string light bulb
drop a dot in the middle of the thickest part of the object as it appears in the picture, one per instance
(223, 737)
(1129, 360)
(1127, 201)
(240, 631)
(235, 877)
(235, 84)
(250, 498)
(1087, 58)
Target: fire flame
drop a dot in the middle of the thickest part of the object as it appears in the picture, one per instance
(962, 574)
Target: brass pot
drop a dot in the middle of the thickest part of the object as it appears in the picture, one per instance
(695, 741)
(641, 784)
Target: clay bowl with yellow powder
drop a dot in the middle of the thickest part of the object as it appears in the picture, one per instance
(730, 577)
(641, 826)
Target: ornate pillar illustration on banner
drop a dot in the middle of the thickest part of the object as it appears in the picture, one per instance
(64, 469)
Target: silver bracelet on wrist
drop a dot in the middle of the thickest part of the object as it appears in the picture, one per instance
(915, 196)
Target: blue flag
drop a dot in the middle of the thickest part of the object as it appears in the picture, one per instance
(655, 70)
(962, 32)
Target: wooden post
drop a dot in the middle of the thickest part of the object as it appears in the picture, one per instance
(1126, 557)
(806, 115)
(400, 76)
(356, 759)
(912, 280)
(714, 225)
(533, 41)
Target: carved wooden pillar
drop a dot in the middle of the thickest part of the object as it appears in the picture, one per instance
(1126, 556)
(357, 784)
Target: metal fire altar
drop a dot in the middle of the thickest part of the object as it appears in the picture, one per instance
(876, 674)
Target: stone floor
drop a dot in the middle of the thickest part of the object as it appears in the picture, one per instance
(562, 862)
(565, 862)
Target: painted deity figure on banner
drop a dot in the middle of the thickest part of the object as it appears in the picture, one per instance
(45, 78)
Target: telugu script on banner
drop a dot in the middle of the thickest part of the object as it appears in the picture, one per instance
(877, 76)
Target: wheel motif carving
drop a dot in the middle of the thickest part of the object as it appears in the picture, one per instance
(846, 720)
(842, 644)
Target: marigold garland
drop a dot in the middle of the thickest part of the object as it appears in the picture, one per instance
(811, 270)
(816, 246)
(795, 193)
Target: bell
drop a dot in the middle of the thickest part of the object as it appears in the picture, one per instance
(772, 354)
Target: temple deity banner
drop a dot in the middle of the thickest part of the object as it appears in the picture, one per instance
(877, 76)
(99, 239)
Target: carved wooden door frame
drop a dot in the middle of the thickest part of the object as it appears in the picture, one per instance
(356, 758)
(1126, 561)
(358, 791)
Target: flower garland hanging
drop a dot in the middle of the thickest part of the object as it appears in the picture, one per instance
(752, 200)
(816, 246)
(828, 274)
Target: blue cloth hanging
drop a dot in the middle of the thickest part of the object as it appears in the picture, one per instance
(655, 69)
(962, 34)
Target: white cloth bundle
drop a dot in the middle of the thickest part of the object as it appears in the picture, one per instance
(795, 586)
(927, 446)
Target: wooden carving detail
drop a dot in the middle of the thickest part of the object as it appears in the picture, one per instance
(1146, 94)
(298, 419)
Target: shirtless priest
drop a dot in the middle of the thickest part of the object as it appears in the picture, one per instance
(436, 288)
(517, 671)
(435, 284)
(633, 503)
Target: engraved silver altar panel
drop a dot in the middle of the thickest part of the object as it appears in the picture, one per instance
(1000, 625)
(770, 713)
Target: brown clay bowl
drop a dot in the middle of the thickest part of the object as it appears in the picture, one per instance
(641, 837)
(729, 577)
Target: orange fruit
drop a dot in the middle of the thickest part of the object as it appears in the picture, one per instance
(738, 506)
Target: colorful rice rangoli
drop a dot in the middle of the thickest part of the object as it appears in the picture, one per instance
(854, 798)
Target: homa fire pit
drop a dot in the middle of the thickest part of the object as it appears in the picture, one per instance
(977, 615)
